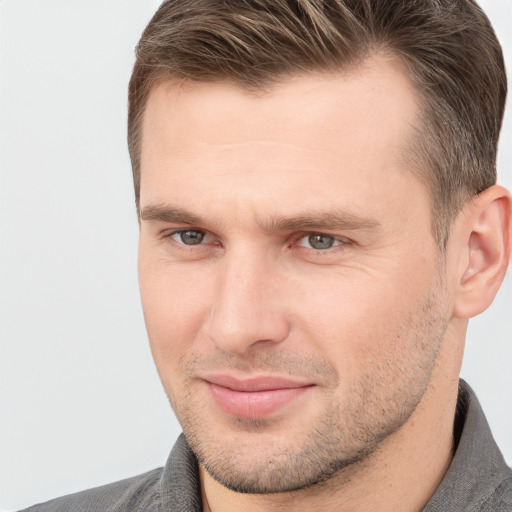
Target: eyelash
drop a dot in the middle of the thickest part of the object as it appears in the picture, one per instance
(337, 241)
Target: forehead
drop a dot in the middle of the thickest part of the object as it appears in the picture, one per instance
(298, 139)
(379, 85)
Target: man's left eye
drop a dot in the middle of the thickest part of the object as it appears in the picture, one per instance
(318, 241)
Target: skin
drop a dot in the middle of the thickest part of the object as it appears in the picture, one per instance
(372, 327)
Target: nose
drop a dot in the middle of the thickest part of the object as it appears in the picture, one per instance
(247, 308)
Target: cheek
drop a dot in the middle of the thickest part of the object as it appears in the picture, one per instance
(355, 317)
(343, 326)
(174, 305)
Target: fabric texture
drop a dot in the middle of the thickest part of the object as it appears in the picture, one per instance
(478, 480)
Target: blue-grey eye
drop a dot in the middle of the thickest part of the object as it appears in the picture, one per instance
(189, 236)
(319, 242)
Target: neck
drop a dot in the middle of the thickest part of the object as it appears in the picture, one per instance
(401, 475)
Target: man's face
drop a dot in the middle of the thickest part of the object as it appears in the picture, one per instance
(292, 289)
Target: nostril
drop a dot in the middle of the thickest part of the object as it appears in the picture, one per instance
(259, 331)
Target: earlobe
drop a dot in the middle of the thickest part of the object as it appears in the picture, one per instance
(488, 251)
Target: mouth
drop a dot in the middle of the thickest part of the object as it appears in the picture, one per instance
(256, 397)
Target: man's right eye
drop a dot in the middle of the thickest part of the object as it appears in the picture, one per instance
(188, 236)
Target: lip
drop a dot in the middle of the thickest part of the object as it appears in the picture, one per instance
(256, 397)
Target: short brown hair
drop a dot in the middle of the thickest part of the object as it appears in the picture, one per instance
(448, 47)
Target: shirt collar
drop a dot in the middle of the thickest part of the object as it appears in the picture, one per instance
(477, 468)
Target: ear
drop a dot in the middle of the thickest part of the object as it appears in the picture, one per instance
(486, 249)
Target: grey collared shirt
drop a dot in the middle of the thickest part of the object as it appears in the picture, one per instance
(478, 480)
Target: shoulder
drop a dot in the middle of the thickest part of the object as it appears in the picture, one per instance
(501, 498)
(141, 492)
(173, 487)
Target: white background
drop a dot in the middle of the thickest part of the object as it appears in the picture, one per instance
(80, 401)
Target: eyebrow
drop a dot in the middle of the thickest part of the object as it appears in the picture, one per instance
(160, 213)
(330, 221)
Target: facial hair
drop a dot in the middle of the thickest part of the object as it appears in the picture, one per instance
(357, 416)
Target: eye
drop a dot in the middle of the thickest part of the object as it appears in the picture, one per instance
(319, 242)
(188, 236)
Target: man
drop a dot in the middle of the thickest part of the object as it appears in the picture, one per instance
(319, 218)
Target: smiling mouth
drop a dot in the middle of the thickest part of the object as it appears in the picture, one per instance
(256, 397)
